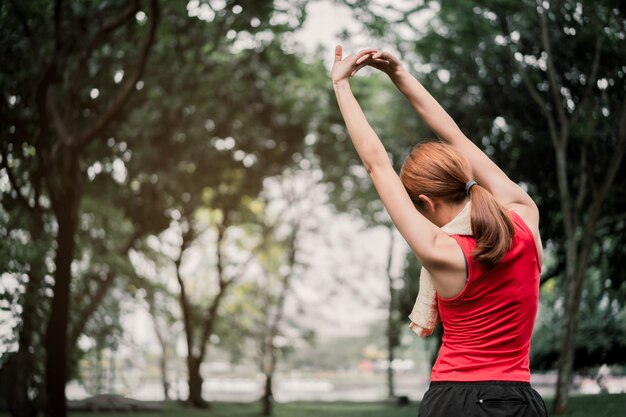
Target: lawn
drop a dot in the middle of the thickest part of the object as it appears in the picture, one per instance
(613, 405)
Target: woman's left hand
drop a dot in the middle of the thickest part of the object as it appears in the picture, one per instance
(345, 68)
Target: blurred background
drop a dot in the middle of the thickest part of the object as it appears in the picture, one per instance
(183, 216)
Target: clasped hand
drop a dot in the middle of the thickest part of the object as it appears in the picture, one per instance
(344, 68)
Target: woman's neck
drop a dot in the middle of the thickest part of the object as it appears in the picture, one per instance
(450, 210)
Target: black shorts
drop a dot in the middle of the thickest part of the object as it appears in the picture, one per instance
(482, 399)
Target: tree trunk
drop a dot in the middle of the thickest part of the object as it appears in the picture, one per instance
(568, 337)
(195, 383)
(268, 395)
(164, 381)
(196, 344)
(576, 269)
(194, 379)
(66, 210)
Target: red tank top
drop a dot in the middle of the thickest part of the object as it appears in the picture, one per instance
(487, 327)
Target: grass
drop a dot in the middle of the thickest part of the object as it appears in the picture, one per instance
(604, 405)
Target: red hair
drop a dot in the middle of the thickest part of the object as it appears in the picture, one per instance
(438, 170)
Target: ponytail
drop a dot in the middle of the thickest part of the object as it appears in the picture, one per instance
(491, 227)
(439, 170)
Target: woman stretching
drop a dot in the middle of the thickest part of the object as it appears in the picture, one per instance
(486, 281)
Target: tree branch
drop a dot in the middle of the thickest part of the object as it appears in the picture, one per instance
(534, 94)
(557, 136)
(604, 221)
(94, 302)
(209, 317)
(591, 80)
(543, 105)
(63, 132)
(107, 27)
(555, 87)
(128, 86)
(186, 238)
(583, 169)
(609, 178)
(103, 286)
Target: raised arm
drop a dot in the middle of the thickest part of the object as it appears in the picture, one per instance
(435, 249)
(487, 173)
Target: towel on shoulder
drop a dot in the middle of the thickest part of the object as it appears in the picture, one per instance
(425, 316)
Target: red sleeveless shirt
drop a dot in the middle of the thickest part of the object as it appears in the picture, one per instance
(487, 327)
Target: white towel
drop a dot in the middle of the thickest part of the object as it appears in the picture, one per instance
(425, 316)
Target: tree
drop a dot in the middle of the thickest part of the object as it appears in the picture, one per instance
(67, 61)
(200, 321)
(278, 257)
(580, 206)
(204, 83)
(234, 110)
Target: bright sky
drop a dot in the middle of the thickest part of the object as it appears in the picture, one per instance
(325, 20)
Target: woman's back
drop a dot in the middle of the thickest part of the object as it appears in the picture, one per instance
(489, 322)
(488, 326)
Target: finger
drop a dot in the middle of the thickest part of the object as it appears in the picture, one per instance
(371, 58)
(380, 67)
(356, 69)
(365, 52)
(363, 58)
(338, 53)
(381, 54)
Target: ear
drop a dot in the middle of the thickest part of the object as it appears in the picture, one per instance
(428, 202)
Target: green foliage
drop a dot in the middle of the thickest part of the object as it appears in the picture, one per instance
(220, 106)
(602, 325)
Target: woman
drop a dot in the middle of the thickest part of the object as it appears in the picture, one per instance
(487, 283)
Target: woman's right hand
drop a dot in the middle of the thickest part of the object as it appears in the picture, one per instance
(381, 60)
(344, 68)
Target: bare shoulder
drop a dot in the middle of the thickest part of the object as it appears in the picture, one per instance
(448, 269)
(530, 215)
